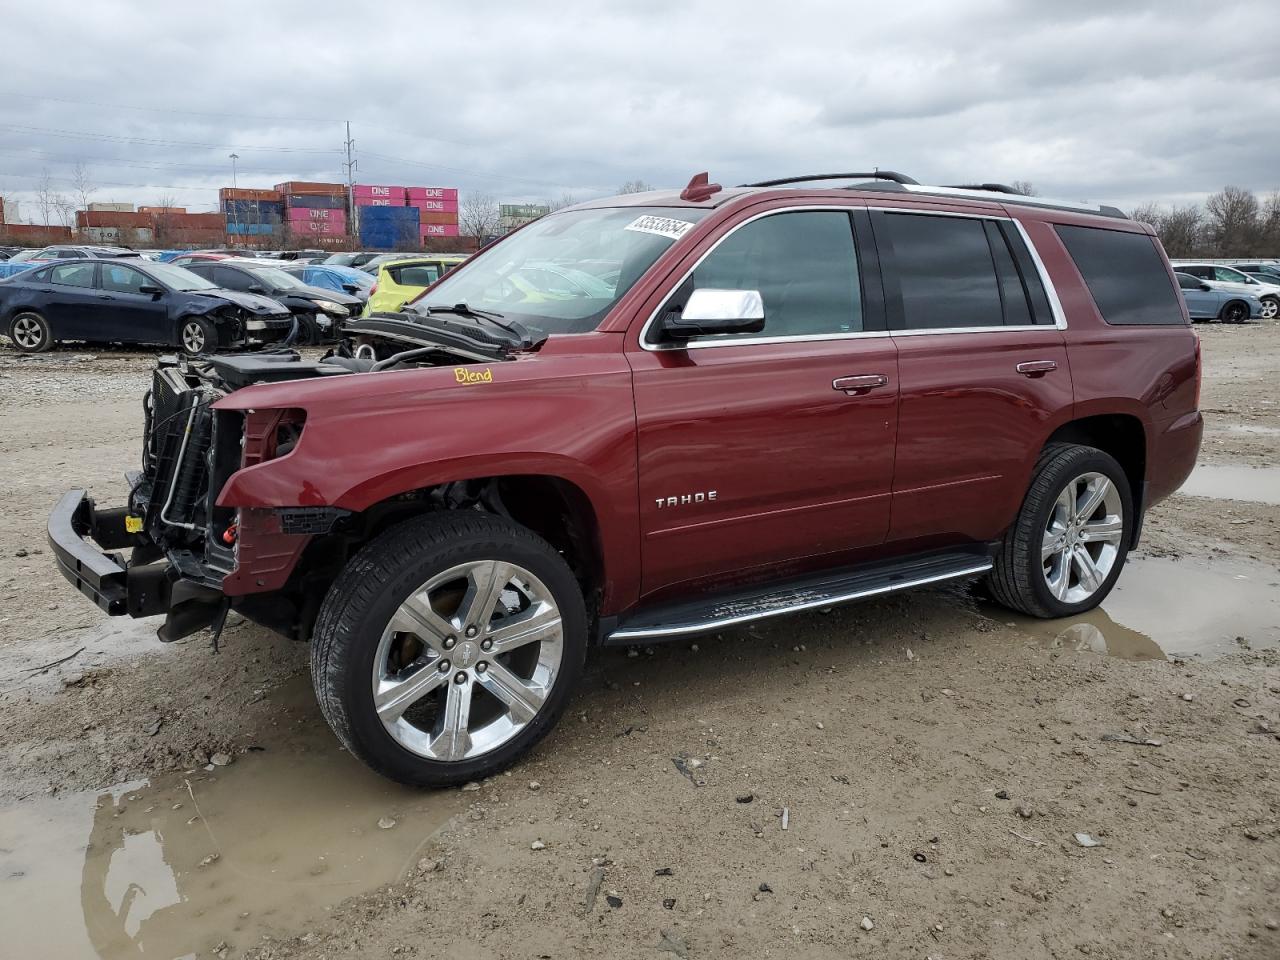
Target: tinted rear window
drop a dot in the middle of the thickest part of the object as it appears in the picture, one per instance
(1125, 274)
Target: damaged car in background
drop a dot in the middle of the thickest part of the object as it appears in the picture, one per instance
(138, 302)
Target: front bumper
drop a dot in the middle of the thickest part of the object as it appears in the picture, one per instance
(118, 587)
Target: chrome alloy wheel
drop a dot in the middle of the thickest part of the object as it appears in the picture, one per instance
(1270, 308)
(193, 337)
(1081, 540)
(467, 660)
(28, 332)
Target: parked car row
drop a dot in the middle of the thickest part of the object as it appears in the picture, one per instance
(1237, 289)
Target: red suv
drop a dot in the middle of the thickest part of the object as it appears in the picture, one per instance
(653, 416)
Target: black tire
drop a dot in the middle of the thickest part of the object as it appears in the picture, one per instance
(1018, 579)
(197, 336)
(308, 330)
(27, 324)
(1234, 311)
(371, 588)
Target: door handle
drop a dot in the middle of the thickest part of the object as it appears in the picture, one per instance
(859, 384)
(105, 296)
(1036, 368)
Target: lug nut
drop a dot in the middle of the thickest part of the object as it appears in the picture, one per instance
(486, 645)
(444, 666)
(481, 667)
(449, 642)
(460, 677)
(471, 631)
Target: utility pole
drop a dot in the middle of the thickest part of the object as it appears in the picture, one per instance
(351, 184)
(234, 157)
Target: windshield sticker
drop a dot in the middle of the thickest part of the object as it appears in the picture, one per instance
(661, 226)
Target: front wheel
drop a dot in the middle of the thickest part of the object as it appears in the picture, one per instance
(448, 647)
(196, 336)
(1270, 308)
(30, 332)
(1070, 540)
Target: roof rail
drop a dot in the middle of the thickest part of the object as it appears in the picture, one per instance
(992, 187)
(875, 175)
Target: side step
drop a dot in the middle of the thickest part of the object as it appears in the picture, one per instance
(721, 611)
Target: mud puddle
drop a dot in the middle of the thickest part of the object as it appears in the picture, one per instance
(180, 865)
(1223, 481)
(1164, 608)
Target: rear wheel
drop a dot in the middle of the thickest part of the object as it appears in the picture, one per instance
(1234, 311)
(30, 332)
(448, 647)
(1270, 308)
(1065, 550)
(196, 336)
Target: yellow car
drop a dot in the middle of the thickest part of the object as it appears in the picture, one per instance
(401, 280)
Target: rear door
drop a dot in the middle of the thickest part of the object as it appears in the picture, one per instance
(751, 451)
(130, 314)
(72, 305)
(983, 369)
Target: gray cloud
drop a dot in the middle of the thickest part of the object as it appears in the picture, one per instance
(1114, 102)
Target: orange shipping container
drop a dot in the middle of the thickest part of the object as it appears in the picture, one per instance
(242, 193)
(448, 219)
(162, 209)
(309, 186)
(112, 218)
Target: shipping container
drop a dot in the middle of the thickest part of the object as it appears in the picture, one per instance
(382, 228)
(307, 214)
(364, 191)
(34, 234)
(241, 193)
(437, 218)
(112, 218)
(323, 201)
(253, 211)
(319, 228)
(132, 236)
(254, 229)
(307, 186)
(374, 202)
(414, 194)
(439, 230)
(111, 207)
(436, 206)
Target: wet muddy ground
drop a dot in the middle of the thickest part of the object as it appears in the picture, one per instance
(935, 757)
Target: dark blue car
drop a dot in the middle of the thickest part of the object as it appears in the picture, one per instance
(106, 301)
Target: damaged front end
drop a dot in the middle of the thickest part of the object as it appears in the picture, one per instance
(173, 549)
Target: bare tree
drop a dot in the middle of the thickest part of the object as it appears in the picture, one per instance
(478, 216)
(566, 200)
(1024, 187)
(164, 219)
(1231, 221)
(64, 209)
(635, 186)
(1269, 225)
(1181, 230)
(44, 195)
(1149, 212)
(82, 184)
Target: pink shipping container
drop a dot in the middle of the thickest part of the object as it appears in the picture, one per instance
(315, 215)
(365, 191)
(417, 194)
(439, 230)
(378, 202)
(437, 206)
(318, 228)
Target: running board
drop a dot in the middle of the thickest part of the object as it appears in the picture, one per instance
(683, 619)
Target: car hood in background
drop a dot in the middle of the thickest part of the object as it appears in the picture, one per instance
(253, 302)
(322, 293)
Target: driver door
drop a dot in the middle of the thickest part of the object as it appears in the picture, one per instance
(758, 451)
(128, 313)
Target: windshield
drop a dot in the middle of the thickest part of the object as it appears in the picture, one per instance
(178, 278)
(276, 278)
(563, 273)
(22, 256)
(340, 259)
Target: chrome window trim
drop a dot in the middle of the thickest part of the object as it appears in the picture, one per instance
(1055, 304)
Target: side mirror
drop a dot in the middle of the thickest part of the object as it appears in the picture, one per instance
(351, 288)
(151, 289)
(1205, 287)
(709, 312)
(257, 288)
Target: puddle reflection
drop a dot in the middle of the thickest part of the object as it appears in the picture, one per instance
(1162, 608)
(1234, 481)
(173, 868)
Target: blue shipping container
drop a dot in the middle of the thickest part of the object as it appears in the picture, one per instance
(253, 211)
(385, 227)
(317, 201)
(252, 229)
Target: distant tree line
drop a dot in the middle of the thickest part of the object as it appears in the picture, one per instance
(1231, 223)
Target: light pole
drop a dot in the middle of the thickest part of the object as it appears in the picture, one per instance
(234, 218)
(234, 158)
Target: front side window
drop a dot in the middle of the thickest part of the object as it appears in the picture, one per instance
(120, 279)
(73, 274)
(564, 272)
(945, 270)
(804, 266)
(1125, 274)
(1188, 282)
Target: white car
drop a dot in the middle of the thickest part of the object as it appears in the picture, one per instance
(1231, 280)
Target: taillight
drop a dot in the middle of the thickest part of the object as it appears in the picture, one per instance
(373, 290)
(1199, 368)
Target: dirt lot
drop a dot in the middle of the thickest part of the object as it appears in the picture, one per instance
(899, 779)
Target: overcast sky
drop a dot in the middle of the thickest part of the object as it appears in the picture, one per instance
(1114, 102)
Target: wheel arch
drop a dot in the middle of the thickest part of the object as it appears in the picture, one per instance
(1124, 437)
